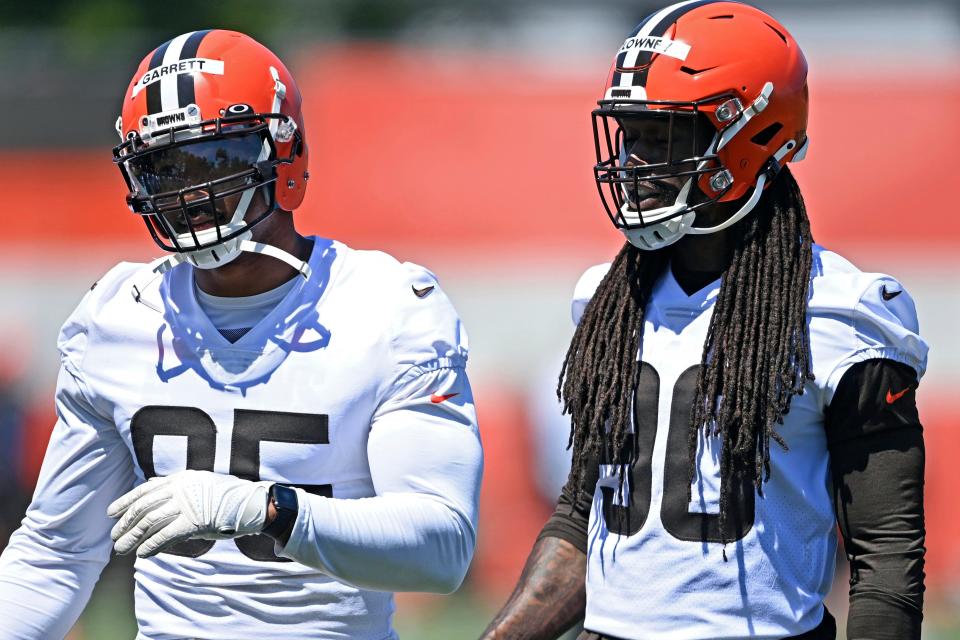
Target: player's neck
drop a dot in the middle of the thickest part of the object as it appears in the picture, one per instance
(696, 261)
(251, 273)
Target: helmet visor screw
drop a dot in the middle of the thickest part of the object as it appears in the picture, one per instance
(729, 110)
(721, 180)
(285, 131)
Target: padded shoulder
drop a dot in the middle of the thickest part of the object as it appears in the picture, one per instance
(74, 333)
(586, 286)
(425, 330)
(857, 316)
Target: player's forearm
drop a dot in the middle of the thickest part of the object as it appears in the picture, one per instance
(549, 598)
(418, 533)
(877, 461)
(882, 524)
(395, 542)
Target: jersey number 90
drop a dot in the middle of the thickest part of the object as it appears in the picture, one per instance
(675, 514)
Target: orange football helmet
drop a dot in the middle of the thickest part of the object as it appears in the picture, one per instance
(210, 120)
(729, 85)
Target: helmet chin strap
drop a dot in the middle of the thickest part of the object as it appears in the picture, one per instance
(661, 234)
(300, 266)
(762, 179)
(662, 226)
(221, 254)
(735, 218)
(161, 265)
(653, 216)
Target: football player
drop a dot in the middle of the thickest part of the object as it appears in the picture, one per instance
(280, 427)
(736, 391)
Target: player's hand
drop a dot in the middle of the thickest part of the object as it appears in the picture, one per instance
(190, 504)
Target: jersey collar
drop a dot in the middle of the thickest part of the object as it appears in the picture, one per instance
(293, 325)
(668, 293)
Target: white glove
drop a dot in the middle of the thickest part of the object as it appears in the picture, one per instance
(186, 505)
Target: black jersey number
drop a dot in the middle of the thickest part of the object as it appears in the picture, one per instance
(250, 428)
(674, 508)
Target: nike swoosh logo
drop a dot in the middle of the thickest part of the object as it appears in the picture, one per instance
(889, 295)
(437, 399)
(893, 397)
(421, 293)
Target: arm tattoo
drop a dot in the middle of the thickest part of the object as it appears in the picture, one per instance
(549, 598)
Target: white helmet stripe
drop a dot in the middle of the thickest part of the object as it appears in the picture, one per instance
(626, 79)
(169, 96)
(657, 24)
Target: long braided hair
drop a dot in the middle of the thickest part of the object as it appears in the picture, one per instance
(756, 356)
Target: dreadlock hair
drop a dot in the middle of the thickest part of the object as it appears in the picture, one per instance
(756, 356)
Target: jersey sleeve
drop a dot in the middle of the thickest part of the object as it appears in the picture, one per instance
(50, 566)
(585, 288)
(419, 532)
(883, 324)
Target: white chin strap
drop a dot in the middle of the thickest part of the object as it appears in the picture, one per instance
(165, 263)
(661, 226)
(222, 253)
(754, 197)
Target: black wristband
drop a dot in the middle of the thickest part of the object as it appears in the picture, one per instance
(284, 498)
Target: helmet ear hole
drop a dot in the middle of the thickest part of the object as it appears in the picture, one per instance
(764, 137)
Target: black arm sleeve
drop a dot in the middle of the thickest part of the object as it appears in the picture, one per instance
(571, 517)
(877, 458)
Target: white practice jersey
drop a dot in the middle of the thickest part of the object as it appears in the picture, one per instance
(661, 578)
(367, 350)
